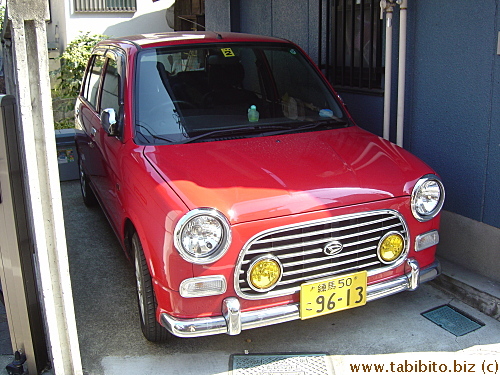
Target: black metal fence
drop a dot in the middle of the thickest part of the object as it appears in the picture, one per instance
(353, 40)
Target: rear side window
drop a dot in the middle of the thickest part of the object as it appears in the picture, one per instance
(110, 87)
(91, 87)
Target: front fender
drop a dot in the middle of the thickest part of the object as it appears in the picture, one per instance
(152, 209)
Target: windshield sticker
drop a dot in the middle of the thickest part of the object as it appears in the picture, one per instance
(227, 52)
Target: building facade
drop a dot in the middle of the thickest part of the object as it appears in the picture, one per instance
(69, 18)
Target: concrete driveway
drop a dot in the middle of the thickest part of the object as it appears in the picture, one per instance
(387, 331)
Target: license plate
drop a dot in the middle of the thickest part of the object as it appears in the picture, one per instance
(330, 295)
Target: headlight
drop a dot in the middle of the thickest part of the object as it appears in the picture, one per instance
(202, 236)
(427, 198)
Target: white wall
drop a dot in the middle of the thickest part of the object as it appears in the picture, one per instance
(65, 24)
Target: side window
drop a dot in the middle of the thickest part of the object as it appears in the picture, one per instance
(92, 82)
(86, 80)
(110, 87)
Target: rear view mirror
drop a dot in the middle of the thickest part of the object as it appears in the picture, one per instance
(108, 122)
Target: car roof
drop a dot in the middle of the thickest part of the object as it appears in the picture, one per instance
(189, 37)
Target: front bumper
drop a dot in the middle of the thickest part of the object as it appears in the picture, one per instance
(233, 320)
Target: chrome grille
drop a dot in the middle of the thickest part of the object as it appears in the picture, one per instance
(299, 248)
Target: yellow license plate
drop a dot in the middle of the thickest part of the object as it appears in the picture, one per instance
(329, 295)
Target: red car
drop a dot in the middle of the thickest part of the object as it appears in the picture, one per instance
(240, 186)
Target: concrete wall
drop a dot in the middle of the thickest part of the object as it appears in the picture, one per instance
(452, 119)
(65, 24)
(367, 110)
(27, 73)
(218, 15)
(293, 20)
(472, 244)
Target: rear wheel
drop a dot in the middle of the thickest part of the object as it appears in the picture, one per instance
(146, 298)
(88, 196)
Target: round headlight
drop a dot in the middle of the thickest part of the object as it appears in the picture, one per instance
(202, 236)
(390, 247)
(264, 273)
(427, 198)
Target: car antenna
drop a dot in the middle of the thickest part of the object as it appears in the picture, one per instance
(200, 25)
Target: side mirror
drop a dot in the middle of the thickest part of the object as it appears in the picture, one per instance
(108, 122)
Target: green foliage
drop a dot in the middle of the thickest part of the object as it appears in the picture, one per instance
(73, 63)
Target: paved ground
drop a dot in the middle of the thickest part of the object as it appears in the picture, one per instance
(112, 344)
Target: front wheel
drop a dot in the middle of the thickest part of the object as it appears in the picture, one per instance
(146, 298)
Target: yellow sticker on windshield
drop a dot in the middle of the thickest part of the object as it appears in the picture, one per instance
(227, 52)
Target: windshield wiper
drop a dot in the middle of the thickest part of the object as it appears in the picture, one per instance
(270, 129)
(247, 130)
(326, 124)
(154, 136)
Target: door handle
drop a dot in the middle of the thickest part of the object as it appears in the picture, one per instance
(93, 131)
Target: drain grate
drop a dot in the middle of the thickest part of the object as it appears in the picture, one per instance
(280, 364)
(453, 320)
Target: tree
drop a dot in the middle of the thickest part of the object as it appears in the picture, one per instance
(73, 64)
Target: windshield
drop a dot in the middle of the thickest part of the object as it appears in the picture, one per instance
(199, 93)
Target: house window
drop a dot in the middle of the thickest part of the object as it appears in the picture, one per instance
(105, 5)
(356, 60)
(189, 15)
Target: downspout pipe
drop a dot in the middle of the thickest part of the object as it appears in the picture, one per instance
(387, 7)
(403, 4)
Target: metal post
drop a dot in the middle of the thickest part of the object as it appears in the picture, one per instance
(387, 7)
(401, 71)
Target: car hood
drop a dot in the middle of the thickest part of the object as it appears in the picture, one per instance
(257, 178)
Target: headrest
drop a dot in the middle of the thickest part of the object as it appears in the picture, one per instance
(221, 60)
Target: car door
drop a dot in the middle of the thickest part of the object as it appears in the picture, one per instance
(87, 116)
(108, 143)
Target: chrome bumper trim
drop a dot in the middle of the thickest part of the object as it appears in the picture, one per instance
(232, 321)
(231, 311)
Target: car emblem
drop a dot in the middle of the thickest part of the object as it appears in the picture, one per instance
(333, 248)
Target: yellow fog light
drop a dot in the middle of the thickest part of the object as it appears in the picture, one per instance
(390, 247)
(264, 273)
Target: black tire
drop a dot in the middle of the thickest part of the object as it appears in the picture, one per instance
(88, 196)
(146, 299)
